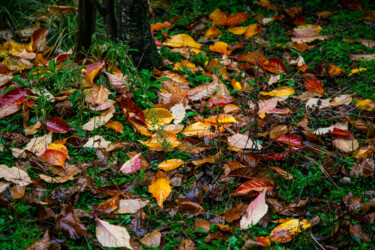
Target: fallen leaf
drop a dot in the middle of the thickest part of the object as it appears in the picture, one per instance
(170, 164)
(54, 157)
(160, 188)
(275, 65)
(156, 117)
(280, 91)
(152, 239)
(115, 126)
(132, 165)
(181, 40)
(255, 211)
(243, 142)
(97, 142)
(203, 91)
(99, 121)
(131, 206)
(111, 235)
(285, 232)
(346, 144)
(292, 140)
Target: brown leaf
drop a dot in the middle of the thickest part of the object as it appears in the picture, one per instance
(203, 91)
(357, 231)
(15, 175)
(66, 222)
(186, 244)
(97, 95)
(187, 206)
(234, 213)
(202, 224)
(152, 239)
(108, 206)
(43, 243)
(18, 192)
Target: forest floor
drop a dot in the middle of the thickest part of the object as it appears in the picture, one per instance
(257, 130)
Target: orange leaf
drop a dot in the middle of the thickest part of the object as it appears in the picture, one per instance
(222, 118)
(54, 157)
(220, 47)
(313, 84)
(218, 17)
(159, 26)
(212, 32)
(253, 185)
(236, 19)
(160, 188)
(92, 71)
(274, 65)
(252, 30)
(201, 129)
(116, 126)
(59, 147)
(167, 141)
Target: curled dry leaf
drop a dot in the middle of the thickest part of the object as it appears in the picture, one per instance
(160, 188)
(255, 211)
(111, 235)
(179, 112)
(286, 231)
(171, 164)
(243, 142)
(33, 129)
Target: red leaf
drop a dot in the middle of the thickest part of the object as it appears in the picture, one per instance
(337, 131)
(253, 185)
(219, 101)
(58, 125)
(252, 57)
(274, 65)
(314, 85)
(131, 110)
(3, 69)
(12, 96)
(236, 19)
(292, 140)
(278, 156)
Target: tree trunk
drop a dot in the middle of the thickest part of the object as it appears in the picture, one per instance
(86, 27)
(109, 19)
(133, 28)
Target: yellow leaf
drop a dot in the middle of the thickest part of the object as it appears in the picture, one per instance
(280, 91)
(59, 147)
(160, 188)
(212, 32)
(201, 129)
(187, 64)
(116, 126)
(222, 118)
(286, 231)
(156, 117)
(166, 141)
(182, 40)
(238, 30)
(252, 30)
(170, 164)
(365, 104)
(355, 71)
(220, 47)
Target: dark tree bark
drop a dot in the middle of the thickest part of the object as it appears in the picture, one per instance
(133, 27)
(86, 27)
(109, 19)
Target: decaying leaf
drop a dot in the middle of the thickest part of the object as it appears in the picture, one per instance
(132, 165)
(131, 206)
(286, 231)
(170, 164)
(243, 142)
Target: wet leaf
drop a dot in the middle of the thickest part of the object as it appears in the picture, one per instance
(253, 185)
(292, 140)
(160, 188)
(132, 165)
(255, 211)
(54, 157)
(285, 232)
(170, 164)
(57, 125)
